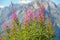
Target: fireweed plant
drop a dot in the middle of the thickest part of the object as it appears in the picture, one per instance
(34, 27)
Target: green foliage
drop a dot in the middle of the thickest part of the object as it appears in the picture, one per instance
(35, 30)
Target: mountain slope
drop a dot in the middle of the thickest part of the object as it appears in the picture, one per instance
(51, 10)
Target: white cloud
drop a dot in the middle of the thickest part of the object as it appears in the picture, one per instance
(1, 6)
(24, 1)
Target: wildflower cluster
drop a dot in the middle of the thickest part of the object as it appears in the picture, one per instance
(34, 27)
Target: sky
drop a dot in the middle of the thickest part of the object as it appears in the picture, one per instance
(56, 1)
(8, 2)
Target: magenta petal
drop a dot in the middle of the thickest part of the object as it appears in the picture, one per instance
(5, 25)
(29, 12)
(26, 20)
(14, 16)
(34, 15)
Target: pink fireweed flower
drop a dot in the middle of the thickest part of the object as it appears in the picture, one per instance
(14, 16)
(26, 20)
(11, 27)
(5, 25)
(34, 16)
(0, 37)
(29, 13)
(42, 9)
(40, 15)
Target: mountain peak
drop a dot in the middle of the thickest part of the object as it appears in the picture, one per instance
(20, 7)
